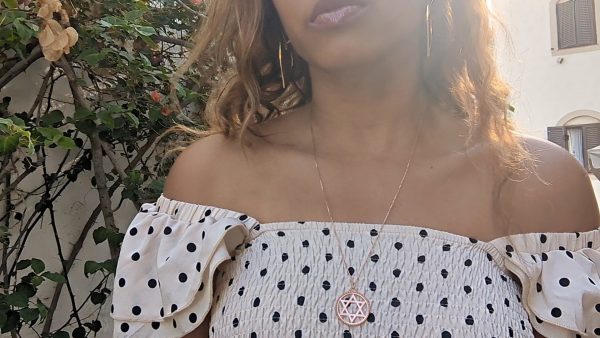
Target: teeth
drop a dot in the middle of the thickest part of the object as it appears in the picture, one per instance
(335, 15)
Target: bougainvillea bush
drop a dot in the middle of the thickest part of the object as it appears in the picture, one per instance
(114, 57)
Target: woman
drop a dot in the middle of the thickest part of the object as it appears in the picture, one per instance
(382, 190)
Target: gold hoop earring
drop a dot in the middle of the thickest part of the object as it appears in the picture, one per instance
(429, 26)
(283, 84)
(283, 49)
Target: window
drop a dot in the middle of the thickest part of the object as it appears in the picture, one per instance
(576, 23)
(577, 139)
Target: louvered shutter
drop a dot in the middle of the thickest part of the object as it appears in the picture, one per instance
(567, 33)
(558, 135)
(591, 139)
(585, 22)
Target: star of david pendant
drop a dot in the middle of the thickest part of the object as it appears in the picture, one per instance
(352, 308)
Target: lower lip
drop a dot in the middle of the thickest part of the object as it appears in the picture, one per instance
(337, 17)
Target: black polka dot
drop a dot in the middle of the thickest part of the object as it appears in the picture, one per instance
(276, 316)
(300, 300)
(423, 233)
(133, 231)
(371, 318)
(256, 302)
(284, 257)
(328, 257)
(490, 308)
(488, 280)
(446, 334)
(564, 282)
(191, 247)
(135, 256)
(347, 334)
(506, 302)
(306, 269)
(444, 302)
(350, 243)
(395, 334)
(167, 230)
(468, 262)
(467, 289)
(597, 331)
(124, 327)
(173, 307)
(192, 317)
(396, 273)
(420, 287)
(395, 302)
(544, 256)
(373, 232)
(372, 286)
(198, 266)
(444, 273)
(469, 320)
(538, 287)
(236, 322)
(420, 319)
(121, 282)
(155, 325)
(598, 307)
(325, 231)
(421, 259)
(298, 334)
(446, 247)
(263, 272)
(253, 335)
(182, 277)
(136, 310)
(281, 285)
(326, 285)
(265, 246)
(543, 238)
(398, 245)
(556, 312)
(322, 317)
(305, 244)
(280, 233)
(351, 271)
(241, 291)
(375, 258)
(150, 230)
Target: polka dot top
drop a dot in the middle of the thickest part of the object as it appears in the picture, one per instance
(282, 279)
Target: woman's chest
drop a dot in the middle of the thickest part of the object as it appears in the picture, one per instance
(286, 283)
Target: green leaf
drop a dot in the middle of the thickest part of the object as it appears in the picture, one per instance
(133, 118)
(82, 113)
(37, 265)
(9, 144)
(91, 267)
(134, 15)
(109, 265)
(29, 314)
(12, 4)
(24, 32)
(23, 264)
(18, 299)
(42, 308)
(100, 235)
(97, 297)
(61, 334)
(51, 118)
(144, 30)
(55, 277)
(65, 142)
(36, 280)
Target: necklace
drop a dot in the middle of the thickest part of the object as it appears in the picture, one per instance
(352, 307)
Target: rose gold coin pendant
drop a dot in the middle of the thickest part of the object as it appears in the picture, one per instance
(352, 308)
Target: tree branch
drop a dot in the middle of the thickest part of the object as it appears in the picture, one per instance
(20, 66)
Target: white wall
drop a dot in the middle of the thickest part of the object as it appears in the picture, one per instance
(544, 90)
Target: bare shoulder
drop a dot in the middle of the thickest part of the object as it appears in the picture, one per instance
(205, 172)
(561, 199)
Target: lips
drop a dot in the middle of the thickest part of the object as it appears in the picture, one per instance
(325, 8)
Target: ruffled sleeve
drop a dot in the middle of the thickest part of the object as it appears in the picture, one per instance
(163, 282)
(560, 279)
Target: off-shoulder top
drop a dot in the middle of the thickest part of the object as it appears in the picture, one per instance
(281, 279)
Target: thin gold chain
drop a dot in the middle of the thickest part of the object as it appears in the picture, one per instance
(353, 282)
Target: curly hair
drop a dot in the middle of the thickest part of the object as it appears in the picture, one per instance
(237, 45)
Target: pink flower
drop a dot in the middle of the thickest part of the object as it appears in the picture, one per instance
(166, 111)
(197, 2)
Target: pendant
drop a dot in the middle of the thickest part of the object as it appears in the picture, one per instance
(352, 308)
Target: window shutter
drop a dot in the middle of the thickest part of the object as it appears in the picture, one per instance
(567, 33)
(558, 135)
(591, 139)
(585, 22)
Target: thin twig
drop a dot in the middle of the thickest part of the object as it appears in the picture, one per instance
(20, 66)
